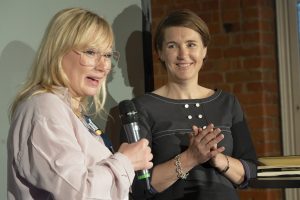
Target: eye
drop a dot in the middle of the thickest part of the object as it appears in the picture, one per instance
(108, 55)
(90, 52)
(171, 46)
(191, 44)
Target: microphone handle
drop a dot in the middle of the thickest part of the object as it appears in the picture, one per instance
(133, 135)
(145, 176)
(132, 131)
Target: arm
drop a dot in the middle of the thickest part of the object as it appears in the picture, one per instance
(232, 168)
(244, 151)
(198, 152)
(242, 163)
(58, 155)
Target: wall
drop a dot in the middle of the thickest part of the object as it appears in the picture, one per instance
(241, 59)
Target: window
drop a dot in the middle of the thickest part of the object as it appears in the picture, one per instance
(288, 29)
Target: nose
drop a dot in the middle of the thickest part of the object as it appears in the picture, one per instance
(182, 52)
(102, 64)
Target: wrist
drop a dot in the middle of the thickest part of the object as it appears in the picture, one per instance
(226, 168)
(189, 159)
(181, 174)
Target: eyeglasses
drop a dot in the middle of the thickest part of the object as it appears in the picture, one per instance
(91, 57)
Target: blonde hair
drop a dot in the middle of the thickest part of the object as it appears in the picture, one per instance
(72, 28)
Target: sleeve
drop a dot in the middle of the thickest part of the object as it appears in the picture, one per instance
(243, 148)
(57, 163)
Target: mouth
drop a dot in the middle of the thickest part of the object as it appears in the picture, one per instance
(183, 65)
(93, 81)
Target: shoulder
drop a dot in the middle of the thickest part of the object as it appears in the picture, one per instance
(48, 105)
(228, 97)
(225, 94)
(144, 99)
(223, 101)
(150, 103)
(232, 102)
(46, 101)
(46, 97)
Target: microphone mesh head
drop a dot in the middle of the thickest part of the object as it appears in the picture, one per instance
(126, 106)
(128, 113)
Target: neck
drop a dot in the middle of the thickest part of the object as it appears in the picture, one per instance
(178, 91)
(75, 104)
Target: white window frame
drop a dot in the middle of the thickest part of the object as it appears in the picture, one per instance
(289, 80)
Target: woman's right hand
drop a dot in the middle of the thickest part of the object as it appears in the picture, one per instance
(139, 153)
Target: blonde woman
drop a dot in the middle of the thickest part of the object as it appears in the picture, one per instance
(54, 149)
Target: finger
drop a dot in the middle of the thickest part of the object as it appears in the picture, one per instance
(201, 134)
(214, 147)
(215, 141)
(149, 165)
(218, 138)
(206, 130)
(209, 128)
(218, 150)
(196, 130)
(216, 132)
(211, 136)
(144, 141)
(198, 134)
(150, 154)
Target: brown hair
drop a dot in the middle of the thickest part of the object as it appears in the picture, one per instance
(183, 18)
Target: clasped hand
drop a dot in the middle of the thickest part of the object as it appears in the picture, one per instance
(203, 143)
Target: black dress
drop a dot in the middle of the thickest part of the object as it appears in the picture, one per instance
(166, 123)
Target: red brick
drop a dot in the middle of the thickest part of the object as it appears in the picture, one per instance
(230, 4)
(250, 13)
(236, 38)
(214, 53)
(259, 194)
(220, 40)
(231, 16)
(214, 28)
(251, 38)
(268, 137)
(234, 51)
(238, 88)
(213, 77)
(242, 76)
(259, 62)
(268, 149)
(267, 38)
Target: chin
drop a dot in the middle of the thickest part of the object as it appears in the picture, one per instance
(91, 92)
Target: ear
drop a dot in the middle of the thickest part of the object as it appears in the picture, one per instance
(204, 52)
(161, 57)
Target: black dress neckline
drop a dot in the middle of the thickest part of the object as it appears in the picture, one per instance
(200, 100)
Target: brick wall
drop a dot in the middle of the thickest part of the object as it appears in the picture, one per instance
(242, 60)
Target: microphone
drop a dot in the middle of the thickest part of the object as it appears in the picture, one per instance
(129, 117)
